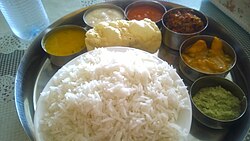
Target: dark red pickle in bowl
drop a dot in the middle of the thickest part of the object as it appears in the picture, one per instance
(183, 21)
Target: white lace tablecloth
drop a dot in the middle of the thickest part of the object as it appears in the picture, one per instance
(11, 51)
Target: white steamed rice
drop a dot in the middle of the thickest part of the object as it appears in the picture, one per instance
(114, 96)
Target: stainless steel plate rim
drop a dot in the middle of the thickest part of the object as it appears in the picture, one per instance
(35, 58)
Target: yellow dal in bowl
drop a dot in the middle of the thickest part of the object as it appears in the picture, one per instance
(65, 41)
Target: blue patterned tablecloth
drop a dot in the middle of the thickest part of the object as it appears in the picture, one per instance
(12, 49)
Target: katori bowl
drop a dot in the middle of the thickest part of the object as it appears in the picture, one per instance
(213, 82)
(180, 24)
(64, 43)
(207, 62)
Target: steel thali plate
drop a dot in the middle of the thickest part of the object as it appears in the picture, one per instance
(35, 70)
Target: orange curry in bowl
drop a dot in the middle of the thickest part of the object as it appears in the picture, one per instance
(145, 11)
(207, 59)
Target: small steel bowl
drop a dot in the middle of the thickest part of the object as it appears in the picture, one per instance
(55, 58)
(212, 81)
(153, 4)
(101, 16)
(174, 39)
(192, 73)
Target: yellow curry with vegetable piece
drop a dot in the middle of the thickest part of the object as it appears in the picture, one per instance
(207, 59)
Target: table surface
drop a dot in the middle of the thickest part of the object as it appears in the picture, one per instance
(12, 49)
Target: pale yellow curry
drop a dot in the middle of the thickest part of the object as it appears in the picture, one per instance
(207, 59)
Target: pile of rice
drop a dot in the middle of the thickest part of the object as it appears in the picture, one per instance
(114, 96)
